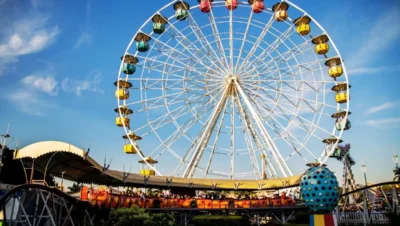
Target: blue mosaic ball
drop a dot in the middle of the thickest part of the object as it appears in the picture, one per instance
(319, 189)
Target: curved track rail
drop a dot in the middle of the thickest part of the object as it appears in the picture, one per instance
(34, 204)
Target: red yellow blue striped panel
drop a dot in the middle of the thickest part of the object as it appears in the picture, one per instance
(323, 220)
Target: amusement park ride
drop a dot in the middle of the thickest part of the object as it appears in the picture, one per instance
(247, 91)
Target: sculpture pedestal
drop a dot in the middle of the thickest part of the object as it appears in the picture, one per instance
(323, 220)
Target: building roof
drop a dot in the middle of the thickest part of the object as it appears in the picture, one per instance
(54, 157)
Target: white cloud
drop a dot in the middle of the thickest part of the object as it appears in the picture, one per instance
(46, 84)
(29, 102)
(78, 86)
(24, 36)
(373, 70)
(374, 43)
(382, 107)
(85, 38)
(4, 62)
(28, 36)
(384, 123)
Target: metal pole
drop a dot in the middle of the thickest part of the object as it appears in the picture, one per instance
(365, 201)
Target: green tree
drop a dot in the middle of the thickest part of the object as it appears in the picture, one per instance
(129, 217)
(74, 188)
(139, 217)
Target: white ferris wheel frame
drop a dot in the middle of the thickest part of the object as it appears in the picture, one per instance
(280, 161)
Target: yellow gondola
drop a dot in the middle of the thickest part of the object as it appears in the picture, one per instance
(321, 44)
(335, 68)
(341, 92)
(280, 11)
(123, 119)
(122, 93)
(303, 25)
(145, 169)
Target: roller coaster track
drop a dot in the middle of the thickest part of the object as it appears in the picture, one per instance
(34, 204)
(371, 186)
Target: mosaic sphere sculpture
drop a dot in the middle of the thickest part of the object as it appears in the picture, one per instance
(319, 189)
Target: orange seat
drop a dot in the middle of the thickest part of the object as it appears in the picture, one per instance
(163, 203)
(149, 203)
(114, 201)
(263, 203)
(215, 204)
(246, 204)
(276, 202)
(254, 203)
(224, 204)
(207, 203)
(186, 203)
(238, 204)
(134, 201)
(201, 204)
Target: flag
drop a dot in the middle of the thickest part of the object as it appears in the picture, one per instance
(323, 220)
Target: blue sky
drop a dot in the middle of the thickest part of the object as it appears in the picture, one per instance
(59, 60)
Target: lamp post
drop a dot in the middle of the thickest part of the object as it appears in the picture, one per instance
(62, 180)
(364, 169)
(396, 160)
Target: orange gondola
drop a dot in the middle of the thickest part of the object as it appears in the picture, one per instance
(186, 203)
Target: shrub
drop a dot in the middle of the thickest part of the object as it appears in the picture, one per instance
(139, 217)
(220, 220)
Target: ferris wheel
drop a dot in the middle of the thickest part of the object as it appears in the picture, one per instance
(234, 89)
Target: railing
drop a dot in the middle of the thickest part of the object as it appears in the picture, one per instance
(351, 218)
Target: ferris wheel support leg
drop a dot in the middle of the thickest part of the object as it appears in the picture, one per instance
(274, 150)
(205, 136)
(252, 132)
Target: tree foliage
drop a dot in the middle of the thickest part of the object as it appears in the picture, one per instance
(74, 188)
(139, 217)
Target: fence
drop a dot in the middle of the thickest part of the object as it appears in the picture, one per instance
(349, 218)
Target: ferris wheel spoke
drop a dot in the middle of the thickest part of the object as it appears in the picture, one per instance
(197, 31)
(289, 71)
(161, 48)
(217, 37)
(231, 41)
(291, 120)
(257, 43)
(186, 43)
(281, 58)
(277, 127)
(181, 131)
(286, 56)
(205, 135)
(244, 40)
